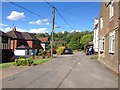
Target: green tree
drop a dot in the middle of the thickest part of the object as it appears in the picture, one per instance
(85, 39)
(74, 42)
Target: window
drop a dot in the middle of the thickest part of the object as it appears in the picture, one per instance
(101, 22)
(102, 44)
(112, 42)
(111, 8)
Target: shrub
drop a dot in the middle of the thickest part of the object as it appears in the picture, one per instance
(60, 50)
(42, 53)
(23, 62)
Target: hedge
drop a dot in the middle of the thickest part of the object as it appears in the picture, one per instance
(23, 62)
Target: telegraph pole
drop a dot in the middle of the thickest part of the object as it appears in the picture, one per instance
(53, 21)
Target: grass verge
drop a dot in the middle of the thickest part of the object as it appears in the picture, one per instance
(5, 65)
(36, 62)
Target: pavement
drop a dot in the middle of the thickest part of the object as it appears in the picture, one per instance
(66, 71)
(7, 72)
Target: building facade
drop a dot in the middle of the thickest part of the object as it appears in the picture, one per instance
(24, 44)
(44, 42)
(95, 39)
(6, 52)
(109, 35)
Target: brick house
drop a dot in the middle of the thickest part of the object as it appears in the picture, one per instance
(109, 35)
(44, 42)
(6, 51)
(24, 43)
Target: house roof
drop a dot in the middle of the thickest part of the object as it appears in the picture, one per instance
(43, 39)
(28, 36)
(15, 34)
(21, 35)
(3, 34)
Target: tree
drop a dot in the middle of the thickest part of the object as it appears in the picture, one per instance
(85, 39)
(40, 35)
(74, 42)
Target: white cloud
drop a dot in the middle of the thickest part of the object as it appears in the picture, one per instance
(39, 30)
(16, 15)
(3, 25)
(21, 30)
(41, 22)
(75, 31)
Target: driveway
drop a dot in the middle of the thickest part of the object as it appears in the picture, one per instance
(66, 71)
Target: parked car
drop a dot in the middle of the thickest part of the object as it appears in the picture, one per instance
(67, 51)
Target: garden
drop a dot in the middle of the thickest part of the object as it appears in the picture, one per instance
(42, 57)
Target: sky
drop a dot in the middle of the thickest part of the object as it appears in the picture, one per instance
(78, 16)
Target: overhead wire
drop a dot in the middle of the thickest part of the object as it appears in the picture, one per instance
(61, 16)
(26, 9)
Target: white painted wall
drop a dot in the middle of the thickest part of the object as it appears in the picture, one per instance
(24, 52)
(19, 52)
(95, 39)
(43, 45)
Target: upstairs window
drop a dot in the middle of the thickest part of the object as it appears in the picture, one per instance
(111, 9)
(112, 42)
(101, 22)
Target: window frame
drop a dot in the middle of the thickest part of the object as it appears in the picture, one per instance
(111, 9)
(101, 22)
(111, 43)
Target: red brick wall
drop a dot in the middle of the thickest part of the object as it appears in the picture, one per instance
(111, 60)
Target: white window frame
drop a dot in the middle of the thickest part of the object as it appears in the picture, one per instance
(111, 9)
(112, 42)
(102, 44)
(101, 22)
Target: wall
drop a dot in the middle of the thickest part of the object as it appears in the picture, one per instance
(19, 52)
(110, 25)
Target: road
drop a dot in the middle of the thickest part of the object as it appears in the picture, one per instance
(66, 71)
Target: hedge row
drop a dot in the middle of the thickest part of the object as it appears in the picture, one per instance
(23, 62)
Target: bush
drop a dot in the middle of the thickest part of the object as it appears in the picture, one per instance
(23, 62)
(43, 54)
(60, 50)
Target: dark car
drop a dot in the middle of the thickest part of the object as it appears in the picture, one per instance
(67, 51)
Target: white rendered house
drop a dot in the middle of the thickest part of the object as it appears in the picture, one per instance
(95, 39)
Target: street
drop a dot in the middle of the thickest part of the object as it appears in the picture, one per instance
(66, 71)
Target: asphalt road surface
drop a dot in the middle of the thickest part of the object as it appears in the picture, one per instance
(66, 71)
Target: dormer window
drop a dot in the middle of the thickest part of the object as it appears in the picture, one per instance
(111, 9)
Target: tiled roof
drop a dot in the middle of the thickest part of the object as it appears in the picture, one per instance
(3, 34)
(43, 39)
(15, 34)
(28, 36)
(21, 35)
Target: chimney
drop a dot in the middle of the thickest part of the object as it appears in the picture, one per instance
(14, 29)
